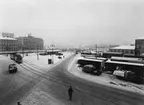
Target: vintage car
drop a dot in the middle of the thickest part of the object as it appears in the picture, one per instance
(91, 70)
(12, 68)
(59, 57)
(125, 74)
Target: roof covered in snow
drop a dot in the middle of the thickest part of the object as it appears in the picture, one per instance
(129, 47)
(5, 38)
(140, 37)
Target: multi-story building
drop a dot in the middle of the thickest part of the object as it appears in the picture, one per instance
(137, 49)
(139, 46)
(30, 43)
(8, 42)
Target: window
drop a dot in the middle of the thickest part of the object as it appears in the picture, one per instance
(125, 51)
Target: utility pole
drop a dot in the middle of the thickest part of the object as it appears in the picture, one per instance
(23, 50)
(23, 46)
(7, 47)
(52, 53)
(96, 52)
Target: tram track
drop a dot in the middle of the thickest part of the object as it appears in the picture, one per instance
(43, 74)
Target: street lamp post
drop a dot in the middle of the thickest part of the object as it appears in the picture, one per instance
(37, 53)
(7, 47)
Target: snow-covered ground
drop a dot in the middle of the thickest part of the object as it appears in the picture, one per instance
(4, 63)
(32, 59)
(43, 59)
(36, 96)
(105, 79)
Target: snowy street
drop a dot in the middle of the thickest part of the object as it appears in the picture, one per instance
(36, 85)
(54, 92)
(15, 86)
(71, 52)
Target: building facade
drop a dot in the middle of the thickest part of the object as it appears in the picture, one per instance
(126, 49)
(139, 46)
(30, 43)
(8, 42)
(7, 35)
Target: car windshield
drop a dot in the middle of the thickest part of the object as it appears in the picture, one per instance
(12, 65)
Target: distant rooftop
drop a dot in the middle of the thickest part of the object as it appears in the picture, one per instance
(140, 37)
(5, 38)
(9, 35)
(124, 47)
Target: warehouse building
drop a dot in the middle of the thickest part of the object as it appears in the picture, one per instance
(126, 49)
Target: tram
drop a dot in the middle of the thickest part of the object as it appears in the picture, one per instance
(16, 57)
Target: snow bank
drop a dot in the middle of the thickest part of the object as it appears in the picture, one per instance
(2, 56)
(42, 60)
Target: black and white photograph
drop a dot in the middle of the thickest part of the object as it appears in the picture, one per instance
(71, 52)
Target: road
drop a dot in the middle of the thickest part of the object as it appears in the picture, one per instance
(12, 86)
(36, 86)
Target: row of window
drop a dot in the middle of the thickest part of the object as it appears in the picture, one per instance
(7, 49)
(124, 51)
(14, 44)
(8, 44)
(7, 41)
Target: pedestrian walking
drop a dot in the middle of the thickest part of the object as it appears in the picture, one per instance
(70, 91)
(18, 103)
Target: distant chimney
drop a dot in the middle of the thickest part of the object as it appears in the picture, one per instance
(29, 35)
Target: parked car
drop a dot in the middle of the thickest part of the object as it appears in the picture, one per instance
(43, 53)
(12, 68)
(125, 74)
(88, 69)
(59, 57)
(59, 53)
(91, 70)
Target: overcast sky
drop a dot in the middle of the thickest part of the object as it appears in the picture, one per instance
(74, 22)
